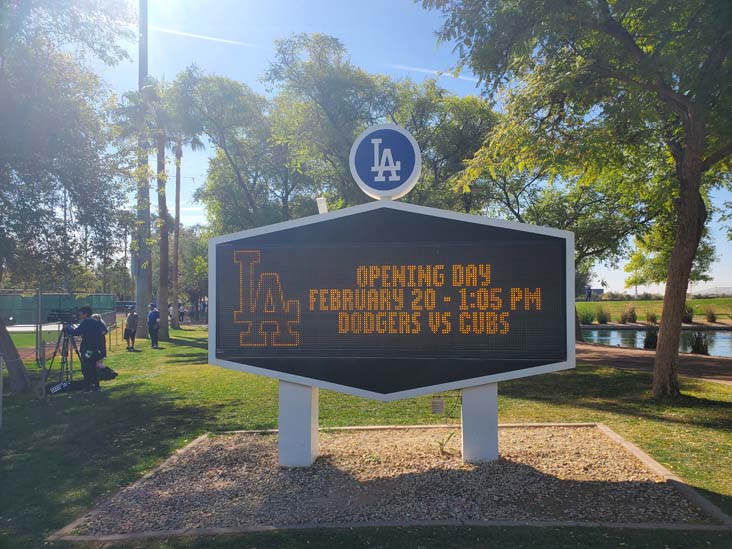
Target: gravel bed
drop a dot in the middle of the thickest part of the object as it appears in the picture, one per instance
(547, 473)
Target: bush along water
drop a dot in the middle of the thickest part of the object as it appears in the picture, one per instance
(688, 317)
(651, 317)
(651, 339)
(711, 315)
(628, 315)
(603, 315)
(700, 344)
(587, 317)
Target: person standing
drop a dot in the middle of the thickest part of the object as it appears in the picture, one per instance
(131, 323)
(153, 325)
(181, 312)
(91, 348)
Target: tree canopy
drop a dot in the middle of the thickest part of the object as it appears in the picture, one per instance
(61, 180)
(272, 158)
(597, 86)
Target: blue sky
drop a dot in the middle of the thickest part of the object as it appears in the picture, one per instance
(235, 38)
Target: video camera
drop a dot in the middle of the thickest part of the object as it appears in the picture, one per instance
(63, 316)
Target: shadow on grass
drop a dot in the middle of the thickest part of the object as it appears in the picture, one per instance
(60, 455)
(626, 393)
(193, 357)
(181, 340)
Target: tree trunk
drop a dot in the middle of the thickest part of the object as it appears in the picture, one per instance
(19, 379)
(164, 245)
(143, 259)
(194, 300)
(577, 328)
(176, 232)
(691, 214)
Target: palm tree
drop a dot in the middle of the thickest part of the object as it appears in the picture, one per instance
(132, 123)
(185, 132)
(162, 124)
(194, 143)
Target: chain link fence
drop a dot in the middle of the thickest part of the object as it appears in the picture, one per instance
(32, 317)
(720, 291)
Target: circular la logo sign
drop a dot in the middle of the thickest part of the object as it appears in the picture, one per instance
(385, 161)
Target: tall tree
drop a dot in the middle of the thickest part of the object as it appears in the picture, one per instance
(292, 181)
(649, 261)
(616, 73)
(233, 119)
(336, 100)
(141, 250)
(162, 130)
(601, 216)
(184, 132)
(449, 131)
(59, 176)
(194, 263)
(257, 174)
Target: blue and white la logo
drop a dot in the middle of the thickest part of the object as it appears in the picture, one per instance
(385, 161)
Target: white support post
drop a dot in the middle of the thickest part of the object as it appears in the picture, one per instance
(322, 205)
(297, 438)
(480, 423)
(298, 424)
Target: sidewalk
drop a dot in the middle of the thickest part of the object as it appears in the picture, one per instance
(709, 368)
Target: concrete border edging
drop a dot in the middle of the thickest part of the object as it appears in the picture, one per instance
(671, 478)
(405, 427)
(153, 534)
(65, 533)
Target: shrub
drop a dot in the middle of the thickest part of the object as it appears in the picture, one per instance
(688, 316)
(628, 315)
(603, 315)
(651, 339)
(587, 316)
(616, 296)
(651, 317)
(700, 344)
(711, 315)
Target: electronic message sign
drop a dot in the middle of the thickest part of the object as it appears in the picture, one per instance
(390, 300)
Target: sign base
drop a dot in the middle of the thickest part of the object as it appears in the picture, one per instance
(480, 423)
(298, 424)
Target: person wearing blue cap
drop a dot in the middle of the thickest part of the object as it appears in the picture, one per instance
(153, 325)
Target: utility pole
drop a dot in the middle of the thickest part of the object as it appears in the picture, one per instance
(143, 267)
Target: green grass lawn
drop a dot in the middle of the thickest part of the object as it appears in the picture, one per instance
(58, 457)
(722, 307)
(27, 340)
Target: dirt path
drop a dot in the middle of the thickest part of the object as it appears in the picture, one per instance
(709, 368)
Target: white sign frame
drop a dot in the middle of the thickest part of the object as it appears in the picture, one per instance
(444, 214)
(404, 188)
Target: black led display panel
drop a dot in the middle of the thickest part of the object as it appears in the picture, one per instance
(390, 299)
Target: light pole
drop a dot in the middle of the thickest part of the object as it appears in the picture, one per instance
(143, 267)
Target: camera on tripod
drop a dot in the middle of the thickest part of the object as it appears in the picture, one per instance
(63, 316)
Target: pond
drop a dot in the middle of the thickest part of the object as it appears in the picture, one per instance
(720, 342)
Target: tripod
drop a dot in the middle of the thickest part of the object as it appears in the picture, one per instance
(65, 349)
